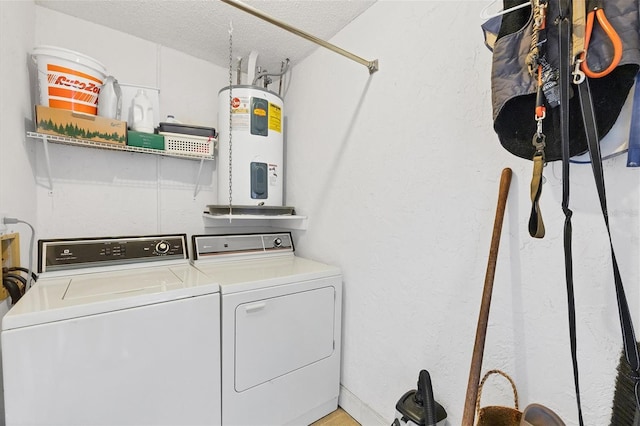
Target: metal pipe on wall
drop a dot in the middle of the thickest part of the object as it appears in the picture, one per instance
(371, 65)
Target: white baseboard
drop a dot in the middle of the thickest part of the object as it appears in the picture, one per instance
(360, 411)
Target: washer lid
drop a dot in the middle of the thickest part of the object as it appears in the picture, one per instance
(73, 296)
(119, 283)
(250, 274)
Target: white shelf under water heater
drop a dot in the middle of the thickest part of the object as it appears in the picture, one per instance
(285, 217)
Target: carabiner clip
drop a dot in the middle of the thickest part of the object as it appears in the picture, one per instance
(578, 74)
(539, 143)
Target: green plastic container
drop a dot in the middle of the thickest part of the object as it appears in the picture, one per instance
(145, 140)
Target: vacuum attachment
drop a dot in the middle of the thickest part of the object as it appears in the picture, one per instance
(418, 407)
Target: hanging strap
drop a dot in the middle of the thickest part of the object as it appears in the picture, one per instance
(578, 15)
(536, 225)
(564, 42)
(535, 61)
(633, 154)
(626, 325)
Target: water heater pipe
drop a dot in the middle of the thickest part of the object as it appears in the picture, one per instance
(252, 66)
(285, 68)
(371, 65)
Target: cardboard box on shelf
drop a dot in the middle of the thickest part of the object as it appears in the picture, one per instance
(62, 122)
(145, 140)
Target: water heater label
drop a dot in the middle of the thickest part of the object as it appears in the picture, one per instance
(273, 174)
(275, 118)
(240, 113)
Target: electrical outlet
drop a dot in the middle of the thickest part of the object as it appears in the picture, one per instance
(3, 227)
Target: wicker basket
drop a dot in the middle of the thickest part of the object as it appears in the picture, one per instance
(497, 415)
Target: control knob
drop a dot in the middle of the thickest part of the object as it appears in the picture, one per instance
(162, 247)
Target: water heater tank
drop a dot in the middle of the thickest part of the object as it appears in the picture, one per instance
(256, 133)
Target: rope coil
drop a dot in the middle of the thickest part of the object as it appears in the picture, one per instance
(532, 59)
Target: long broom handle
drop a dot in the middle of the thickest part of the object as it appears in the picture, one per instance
(483, 318)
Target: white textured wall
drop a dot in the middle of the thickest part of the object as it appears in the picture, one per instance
(398, 173)
(17, 186)
(97, 192)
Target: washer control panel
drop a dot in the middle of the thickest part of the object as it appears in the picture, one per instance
(62, 254)
(217, 245)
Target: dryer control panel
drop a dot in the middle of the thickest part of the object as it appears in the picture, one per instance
(64, 254)
(250, 244)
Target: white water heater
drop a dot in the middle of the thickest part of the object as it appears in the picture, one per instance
(256, 134)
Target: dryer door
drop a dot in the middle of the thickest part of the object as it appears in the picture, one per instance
(277, 335)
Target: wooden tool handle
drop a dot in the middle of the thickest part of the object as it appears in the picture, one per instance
(468, 415)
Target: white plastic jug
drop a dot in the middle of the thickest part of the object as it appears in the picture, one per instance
(110, 99)
(141, 113)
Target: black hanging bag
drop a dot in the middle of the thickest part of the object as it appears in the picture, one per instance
(514, 89)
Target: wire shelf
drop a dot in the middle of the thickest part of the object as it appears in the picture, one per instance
(114, 147)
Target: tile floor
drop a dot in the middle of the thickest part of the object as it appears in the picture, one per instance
(337, 418)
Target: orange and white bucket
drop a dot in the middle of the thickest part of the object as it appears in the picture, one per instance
(68, 80)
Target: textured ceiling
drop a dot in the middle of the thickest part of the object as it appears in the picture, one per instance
(201, 27)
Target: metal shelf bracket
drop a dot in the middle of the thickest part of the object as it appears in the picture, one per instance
(45, 142)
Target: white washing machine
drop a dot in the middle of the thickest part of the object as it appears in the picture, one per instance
(117, 331)
(281, 327)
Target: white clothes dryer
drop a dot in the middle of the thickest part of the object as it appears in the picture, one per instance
(116, 331)
(281, 328)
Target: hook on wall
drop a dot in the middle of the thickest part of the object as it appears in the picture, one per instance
(484, 13)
